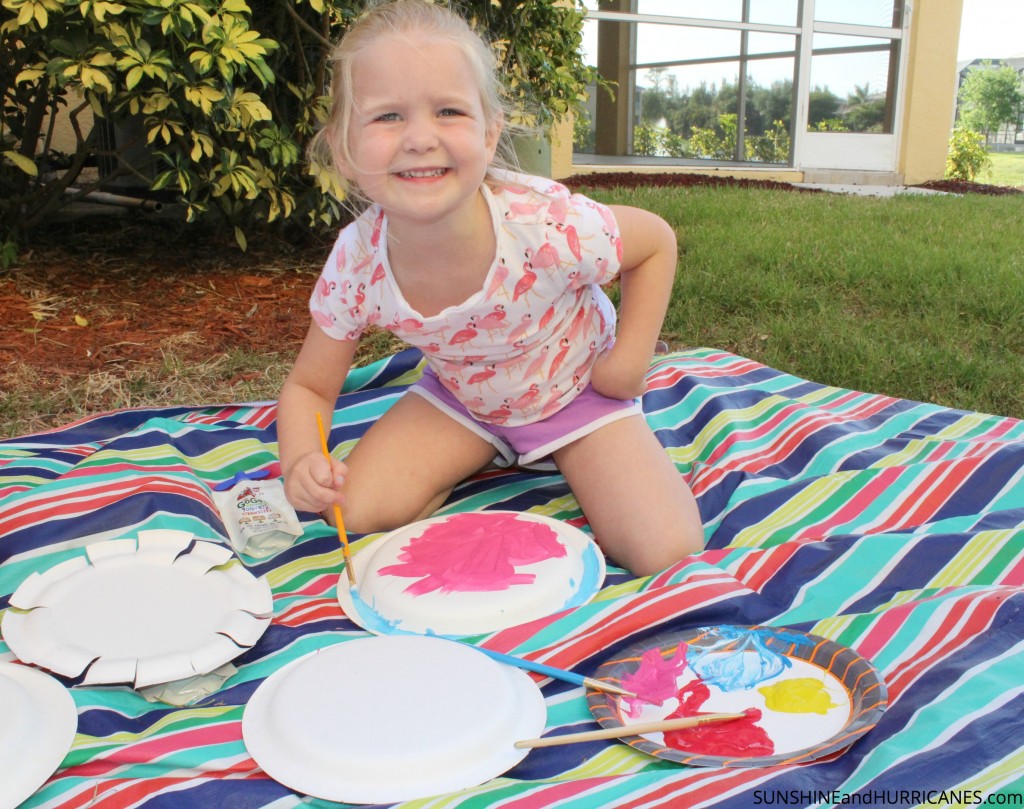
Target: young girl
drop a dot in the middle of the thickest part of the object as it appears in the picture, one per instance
(495, 277)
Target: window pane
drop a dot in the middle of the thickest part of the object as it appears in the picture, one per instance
(677, 43)
(766, 12)
(862, 12)
(774, 12)
(851, 80)
(687, 112)
(770, 43)
(681, 99)
(731, 10)
(768, 112)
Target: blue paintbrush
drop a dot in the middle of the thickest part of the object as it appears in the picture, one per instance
(557, 674)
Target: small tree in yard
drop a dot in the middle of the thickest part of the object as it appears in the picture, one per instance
(967, 156)
(214, 101)
(989, 98)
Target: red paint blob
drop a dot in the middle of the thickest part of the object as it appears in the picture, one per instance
(738, 738)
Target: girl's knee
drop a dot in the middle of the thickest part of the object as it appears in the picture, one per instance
(379, 512)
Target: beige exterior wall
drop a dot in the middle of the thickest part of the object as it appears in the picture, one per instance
(930, 89)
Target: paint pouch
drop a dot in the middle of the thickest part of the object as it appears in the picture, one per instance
(181, 693)
(258, 517)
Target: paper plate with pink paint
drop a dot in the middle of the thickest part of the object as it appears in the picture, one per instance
(806, 697)
(386, 719)
(470, 574)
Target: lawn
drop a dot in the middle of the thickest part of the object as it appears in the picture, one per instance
(919, 297)
(1007, 169)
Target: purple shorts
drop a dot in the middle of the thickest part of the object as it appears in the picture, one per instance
(530, 445)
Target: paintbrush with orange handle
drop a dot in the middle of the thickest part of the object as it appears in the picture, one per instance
(339, 522)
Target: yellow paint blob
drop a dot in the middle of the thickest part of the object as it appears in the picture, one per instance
(800, 695)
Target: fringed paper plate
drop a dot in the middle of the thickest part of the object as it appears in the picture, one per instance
(154, 611)
(470, 574)
(808, 697)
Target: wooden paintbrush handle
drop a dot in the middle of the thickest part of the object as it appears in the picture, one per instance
(659, 726)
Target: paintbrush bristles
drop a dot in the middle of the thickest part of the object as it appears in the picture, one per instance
(659, 726)
(339, 522)
(608, 688)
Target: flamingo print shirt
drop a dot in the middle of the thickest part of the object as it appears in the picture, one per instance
(522, 347)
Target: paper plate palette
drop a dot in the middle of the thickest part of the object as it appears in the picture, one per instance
(34, 707)
(384, 719)
(154, 611)
(811, 697)
(470, 574)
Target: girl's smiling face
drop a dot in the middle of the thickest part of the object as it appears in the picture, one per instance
(419, 140)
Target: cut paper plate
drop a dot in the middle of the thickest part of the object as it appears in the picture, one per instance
(471, 574)
(37, 728)
(149, 612)
(385, 719)
(811, 697)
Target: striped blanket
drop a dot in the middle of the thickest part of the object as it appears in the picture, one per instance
(892, 527)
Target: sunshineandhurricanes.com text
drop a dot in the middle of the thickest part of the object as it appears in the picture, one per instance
(885, 797)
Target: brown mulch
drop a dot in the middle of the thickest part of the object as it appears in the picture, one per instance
(965, 187)
(630, 179)
(103, 293)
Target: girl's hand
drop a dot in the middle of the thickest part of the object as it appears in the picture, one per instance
(618, 377)
(313, 484)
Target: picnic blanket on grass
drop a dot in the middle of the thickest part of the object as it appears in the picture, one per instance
(890, 526)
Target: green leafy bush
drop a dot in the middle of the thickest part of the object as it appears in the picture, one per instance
(771, 147)
(212, 102)
(651, 140)
(967, 156)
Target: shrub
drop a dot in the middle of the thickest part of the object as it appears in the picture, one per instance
(771, 147)
(967, 156)
(651, 140)
(214, 101)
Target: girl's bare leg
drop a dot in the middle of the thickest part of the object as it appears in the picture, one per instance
(406, 465)
(640, 509)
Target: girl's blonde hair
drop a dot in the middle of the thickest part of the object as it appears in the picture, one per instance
(403, 17)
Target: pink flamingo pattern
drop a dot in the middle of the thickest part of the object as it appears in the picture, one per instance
(520, 349)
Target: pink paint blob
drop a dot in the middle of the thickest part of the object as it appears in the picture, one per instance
(654, 680)
(474, 553)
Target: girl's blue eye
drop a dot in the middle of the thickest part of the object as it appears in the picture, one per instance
(449, 112)
(388, 116)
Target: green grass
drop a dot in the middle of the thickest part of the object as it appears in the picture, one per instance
(915, 297)
(1007, 169)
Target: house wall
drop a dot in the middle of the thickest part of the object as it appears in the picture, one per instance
(926, 114)
(930, 89)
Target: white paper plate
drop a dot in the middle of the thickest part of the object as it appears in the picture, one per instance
(38, 720)
(470, 574)
(383, 719)
(143, 613)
